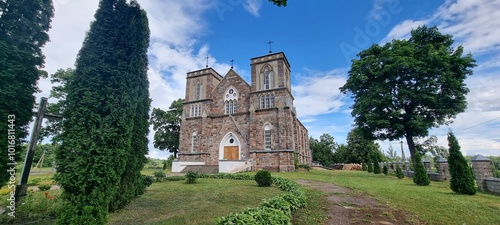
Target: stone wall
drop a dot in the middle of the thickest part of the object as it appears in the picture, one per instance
(493, 184)
(483, 172)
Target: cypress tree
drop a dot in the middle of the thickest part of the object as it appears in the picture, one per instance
(385, 170)
(462, 179)
(363, 166)
(399, 172)
(104, 136)
(370, 164)
(23, 32)
(420, 178)
(376, 164)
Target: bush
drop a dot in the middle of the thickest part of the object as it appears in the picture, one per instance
(276, 210)
(420, 178)
(305, 166)
(376, 165)
(147, 180)
(370, 164)
(34, 182)
(462, 180)
(399, 172)
(385, 170)
(191, 177)
(263, 178)
(259, 215)
(159, 174)
(363, 166)
(44, 187)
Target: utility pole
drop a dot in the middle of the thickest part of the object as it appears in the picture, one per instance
(22, 186)
(402, 152)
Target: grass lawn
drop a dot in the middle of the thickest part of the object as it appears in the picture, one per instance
(203, 202)
(434, 204)
(200, 203)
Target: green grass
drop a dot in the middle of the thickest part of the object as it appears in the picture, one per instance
(199, 203)
(314, 212)
(434, 204)
(203, 202)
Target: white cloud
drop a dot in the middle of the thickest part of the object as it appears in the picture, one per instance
(318, 93)
(402, 30)
(253, 7)
(472, 22)
(172, 53)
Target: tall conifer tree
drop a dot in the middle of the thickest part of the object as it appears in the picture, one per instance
(104, 136)
(462, 180)
(23, 31)
(420, 177)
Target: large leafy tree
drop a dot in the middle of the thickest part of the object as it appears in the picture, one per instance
(323, 149)
(405, 87)
(279, 2)
(166, 125)
(23, 31)
(59, 80)
(359, 147)
(105, 125)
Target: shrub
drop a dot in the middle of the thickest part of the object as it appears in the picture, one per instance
(370, 164)
(276, 210)
(259, 215)
(44, 187)
(462, 180)
(376, 165)
(363, 166)
(385, 170)
(420, 178)
(305, 166)
(147, 180)
(263, 178)
(159, 174)
(191, 177)
(399, 172)
(34, 182)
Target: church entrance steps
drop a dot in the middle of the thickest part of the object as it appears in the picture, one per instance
(201, 169)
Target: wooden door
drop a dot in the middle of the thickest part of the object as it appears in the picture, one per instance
(231, 153)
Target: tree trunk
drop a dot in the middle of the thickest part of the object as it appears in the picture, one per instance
(411, 146)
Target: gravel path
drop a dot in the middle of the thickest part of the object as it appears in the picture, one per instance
(348, 207)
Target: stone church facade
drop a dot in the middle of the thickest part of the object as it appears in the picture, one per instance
(234, 126)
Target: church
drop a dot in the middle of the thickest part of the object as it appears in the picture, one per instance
(229, 125)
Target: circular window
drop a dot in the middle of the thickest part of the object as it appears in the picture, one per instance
(231, 140)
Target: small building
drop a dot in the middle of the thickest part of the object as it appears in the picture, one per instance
(229, 125)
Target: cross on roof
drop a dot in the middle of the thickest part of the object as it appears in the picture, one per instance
(270, 43)
(207, 61)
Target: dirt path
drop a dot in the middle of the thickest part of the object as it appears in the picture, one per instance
(348, 207)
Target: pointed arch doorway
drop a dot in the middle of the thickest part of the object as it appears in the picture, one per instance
(230, 147)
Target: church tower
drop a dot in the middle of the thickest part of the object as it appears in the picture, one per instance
(271, 81)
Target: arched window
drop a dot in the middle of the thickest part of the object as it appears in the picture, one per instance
(267, 78)
(267, 101)
(194, 142)
(231, 101)
(267, 137)
(197, 91)
(230, 106)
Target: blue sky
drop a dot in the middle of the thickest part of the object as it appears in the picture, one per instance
(319, 38)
